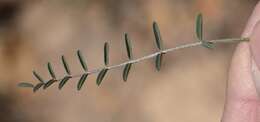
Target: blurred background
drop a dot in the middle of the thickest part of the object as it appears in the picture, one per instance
(189, 88)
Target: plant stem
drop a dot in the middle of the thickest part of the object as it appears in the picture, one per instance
(189, 45)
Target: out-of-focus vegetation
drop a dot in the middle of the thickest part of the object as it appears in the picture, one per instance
(190, 86)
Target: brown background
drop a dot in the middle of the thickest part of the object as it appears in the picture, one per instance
(190, 87)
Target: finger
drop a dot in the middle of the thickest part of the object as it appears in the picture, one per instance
(254, 18)
(242, 102)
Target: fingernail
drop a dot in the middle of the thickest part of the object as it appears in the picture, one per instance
(255, 49)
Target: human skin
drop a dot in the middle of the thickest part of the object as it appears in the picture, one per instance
(243, 88)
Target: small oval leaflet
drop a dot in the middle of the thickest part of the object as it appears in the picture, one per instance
(199, 26)
(158, 61)
(37, 87)
(26, 85)
(50, 69)
(101, 76)
(106, 53)
(82, 61)
(82, 81)
(126, 71)
(157, 35)
(199, 32)
(38, 77)
(65, 65)
(64, 81)
(49, 83)
(128, 47)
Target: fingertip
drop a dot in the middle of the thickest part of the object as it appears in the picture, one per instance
(240, 84)
(253, 19)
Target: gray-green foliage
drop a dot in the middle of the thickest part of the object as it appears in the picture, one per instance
(102, 72)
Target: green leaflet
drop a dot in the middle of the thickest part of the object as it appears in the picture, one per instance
(126, 71)
(51, 71)
(65, 65)
(82, 81)
(101, 76)
(25, 85)
(157, 35)
(82, 61)
(37, 87)
(106, 53)
(64, 81)
(158, 61)
(199, 27)
(49, 83)
(128, 47)
(208, 45)
(199, 32)
(38, 77)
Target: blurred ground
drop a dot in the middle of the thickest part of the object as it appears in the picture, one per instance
(190, 87)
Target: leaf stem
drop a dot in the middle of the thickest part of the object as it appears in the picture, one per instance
(189, 45)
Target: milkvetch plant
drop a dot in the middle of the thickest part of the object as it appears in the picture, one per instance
(102, 72)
